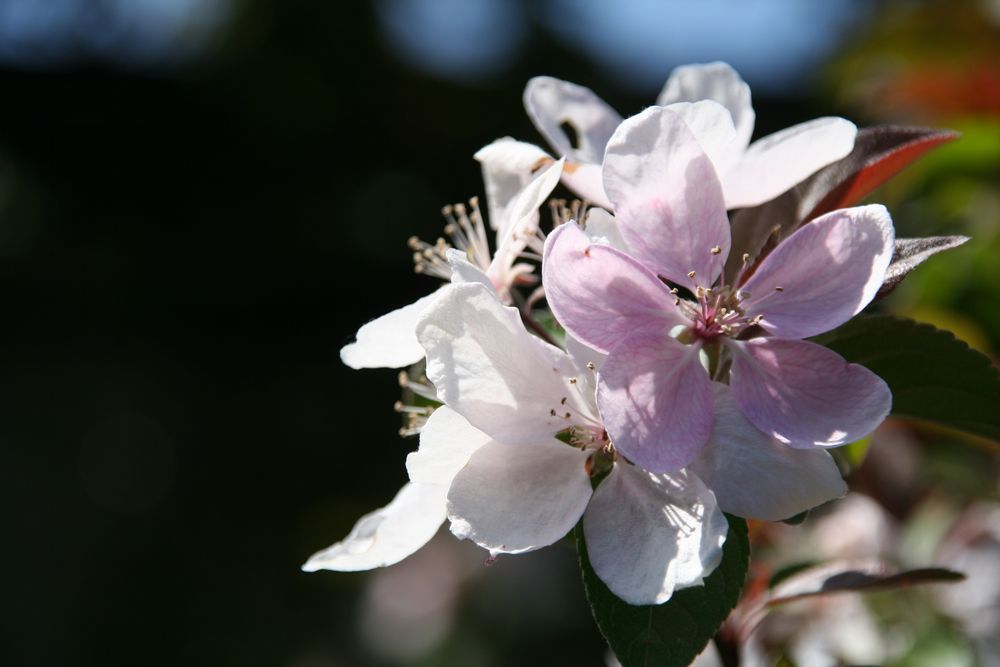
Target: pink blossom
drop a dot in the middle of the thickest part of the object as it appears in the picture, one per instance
(715, 103)
(654, 394)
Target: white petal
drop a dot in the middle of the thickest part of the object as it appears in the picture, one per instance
(487, 367)
(387, 535)
(778, 161)
(516, 498)
(755, 476)
(464, 271)
(667, 197)
(551, 102)
(587, 181)
(601, 227)
(521, 224)
(508, 166)
(447, 441)
(388, 341)
(713, 81)
(712, 126)
(648, 535)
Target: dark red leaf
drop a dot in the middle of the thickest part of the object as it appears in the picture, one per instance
(879, 153)
(856, 577)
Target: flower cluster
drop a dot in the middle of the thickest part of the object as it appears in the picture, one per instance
(615, 370)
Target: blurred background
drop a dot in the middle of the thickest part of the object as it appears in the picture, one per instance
(201, 201)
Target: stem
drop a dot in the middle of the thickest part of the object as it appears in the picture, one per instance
(530, 321)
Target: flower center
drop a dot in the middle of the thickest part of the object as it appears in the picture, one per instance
(717, 311)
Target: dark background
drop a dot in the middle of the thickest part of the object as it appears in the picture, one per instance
(186, 244)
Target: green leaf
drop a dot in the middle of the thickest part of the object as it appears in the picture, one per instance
(932, 374)
(675, 632)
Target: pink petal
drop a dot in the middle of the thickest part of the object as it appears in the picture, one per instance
(806, 395)
(755, 476)
(655, 399)
(551, 102)
(828, 271)
(778, 161)
(667, 198)
(599, 294)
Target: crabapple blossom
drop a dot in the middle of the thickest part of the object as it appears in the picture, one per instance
(528, 485)
(514, 194)
(654, 394)
(715, 103)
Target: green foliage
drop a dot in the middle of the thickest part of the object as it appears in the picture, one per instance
(675, 632)
(933, 375)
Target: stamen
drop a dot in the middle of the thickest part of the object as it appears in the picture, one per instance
(691, 274)
(466, 231)
(716, 250)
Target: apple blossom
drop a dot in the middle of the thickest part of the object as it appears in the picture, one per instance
(715, 103)
(528, 485)
(514, 194)
(654, 394)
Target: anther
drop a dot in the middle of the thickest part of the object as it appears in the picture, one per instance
(716, 250)
(572, 380)
(590, 365)
(779, 289)
(673, 290)
(691, 274)
(552, 412)
(562, 401)
(746, 257)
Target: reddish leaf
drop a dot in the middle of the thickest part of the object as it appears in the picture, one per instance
(910, 253)
(879, 153)
(856, 577)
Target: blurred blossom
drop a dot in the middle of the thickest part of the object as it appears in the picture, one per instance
(773, 43)
(130, 32)
(973, 547)
(460, 40)
(409, 608)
